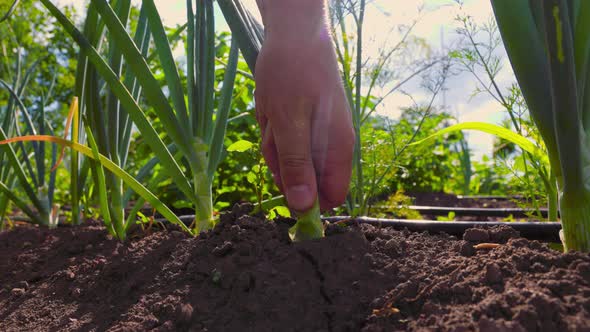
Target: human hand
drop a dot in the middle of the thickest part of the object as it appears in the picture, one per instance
(307, 133)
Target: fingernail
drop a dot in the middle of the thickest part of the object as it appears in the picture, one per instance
(300, 197)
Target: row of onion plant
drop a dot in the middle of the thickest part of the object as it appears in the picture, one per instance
(192, 123)
(113, 77)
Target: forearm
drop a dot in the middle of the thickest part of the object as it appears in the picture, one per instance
(294, 19)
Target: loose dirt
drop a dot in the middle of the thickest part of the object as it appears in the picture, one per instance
(246, 275)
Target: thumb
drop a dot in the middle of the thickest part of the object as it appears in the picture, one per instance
(292, 137)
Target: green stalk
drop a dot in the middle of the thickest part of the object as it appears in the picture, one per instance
(100, 182)
(575, 195)
(575, 221)
(309, 225)
(524, 44)
(356, 117)
(114, 109)
(204, 207)
(75, 166)
(85, 82)
(550, 184)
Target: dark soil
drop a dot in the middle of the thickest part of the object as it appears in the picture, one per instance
(438, 199)
(246, 275)
(450, 200)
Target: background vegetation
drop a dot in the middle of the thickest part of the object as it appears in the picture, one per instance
(38, 63)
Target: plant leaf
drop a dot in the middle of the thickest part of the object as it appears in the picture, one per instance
(493, 129)
(240, 146)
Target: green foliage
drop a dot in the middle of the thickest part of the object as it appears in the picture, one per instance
(361, 77)
(196, 129)
(424, 168)
(35, 80)
(176, 157)
(229, 185)
(257, 176)
(30, 36)
(279, 211)
(396, 206)
(449, 217)
(488, 178)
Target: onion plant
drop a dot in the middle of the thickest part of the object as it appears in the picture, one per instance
(25, 169)
(548, 43)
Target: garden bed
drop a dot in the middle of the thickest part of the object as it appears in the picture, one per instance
(450, 200)
(246, 275)
(433, 206)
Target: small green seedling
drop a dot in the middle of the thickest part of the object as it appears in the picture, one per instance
(309, 225)
(256, 175)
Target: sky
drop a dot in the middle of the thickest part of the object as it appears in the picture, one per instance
(436, 26)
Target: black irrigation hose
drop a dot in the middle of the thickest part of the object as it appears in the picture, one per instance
(477, 212)
(541, 231)
(496, 197)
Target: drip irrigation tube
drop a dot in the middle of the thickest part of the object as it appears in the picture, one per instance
(496, 197)
(477, 212)
(541, 231)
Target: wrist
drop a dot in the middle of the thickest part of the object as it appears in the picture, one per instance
(293, 20)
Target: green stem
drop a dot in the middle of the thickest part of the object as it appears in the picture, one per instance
(202, 184)
(204, 202)
(309, 225)
(117, 210)
(552, 199)
(575, 221)
(552, 206)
